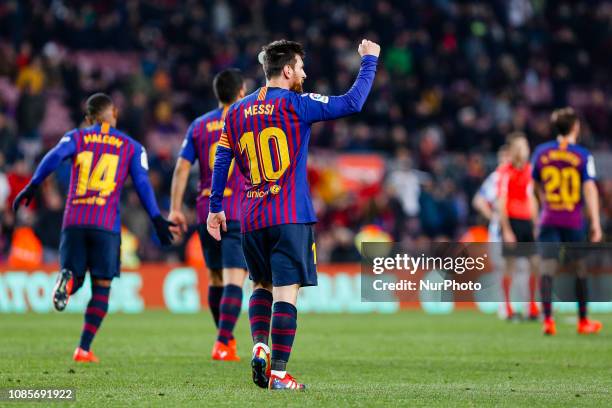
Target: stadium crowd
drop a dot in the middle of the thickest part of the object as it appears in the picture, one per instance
(454, 79)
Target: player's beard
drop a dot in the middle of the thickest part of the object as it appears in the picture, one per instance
(296, 86)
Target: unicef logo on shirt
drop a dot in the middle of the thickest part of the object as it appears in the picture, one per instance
(275, 189)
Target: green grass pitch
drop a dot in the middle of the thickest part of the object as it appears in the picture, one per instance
(405, 359)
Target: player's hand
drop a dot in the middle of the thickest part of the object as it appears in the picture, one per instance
(162, 229)
(508, 236)
(595, 234)
(26, 194)
(368, 48)
(214, 223)
(179, 219)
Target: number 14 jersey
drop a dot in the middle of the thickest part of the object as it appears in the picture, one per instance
(102, 159)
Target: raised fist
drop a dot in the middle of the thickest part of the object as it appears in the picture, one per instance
(368, 47)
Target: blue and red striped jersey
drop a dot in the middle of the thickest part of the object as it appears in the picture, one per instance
(102, 158)
(268, 133)
(201, 144)
(562, 169)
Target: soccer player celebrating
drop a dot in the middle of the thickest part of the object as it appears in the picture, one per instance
(518, 211)
(564, 173)
(268, 134)
(102, 157)
(224, 260)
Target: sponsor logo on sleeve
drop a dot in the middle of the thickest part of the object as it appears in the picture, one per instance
(144, 161)
(318, 97)
(591, 167)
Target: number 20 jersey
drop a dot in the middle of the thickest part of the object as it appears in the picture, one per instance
(562, 169)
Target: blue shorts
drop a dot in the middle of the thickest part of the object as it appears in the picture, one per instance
(552, 237)
(92, 249)
(226, 253)
(282, 255)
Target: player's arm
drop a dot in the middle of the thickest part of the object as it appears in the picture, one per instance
(536, 181)
(139, 167)
(186, 158)
(481, 205)
(223, 160)
(536, 192)
(533, 202)
(482, 200)
(591, 199)
(52, 160)
(314, 108)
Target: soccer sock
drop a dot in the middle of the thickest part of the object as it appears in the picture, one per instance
(581, 296)
(260, 313)
(96, 310)
(284, 324)
(231, 303)
(546, 284)
(532, 288)
(279, 374)
(215, 293)
(507, 285)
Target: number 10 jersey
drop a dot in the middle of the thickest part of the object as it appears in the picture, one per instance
(269, 133)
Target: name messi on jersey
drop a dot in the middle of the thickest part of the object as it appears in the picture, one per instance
(264, 109)
(105, 139)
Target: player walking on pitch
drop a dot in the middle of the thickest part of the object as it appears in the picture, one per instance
(224, 260)
(564, 173)
(518, 211)
(102, 157)
(267, 133)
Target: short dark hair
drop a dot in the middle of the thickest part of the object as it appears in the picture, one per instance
(279, 53)
(96, 104)
(563, 120)
(227, 85)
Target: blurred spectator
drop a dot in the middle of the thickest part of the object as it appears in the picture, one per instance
(48, 221)
(18, 176)
(405, 184)
(8, 139)
(5, 189)
(133, 118)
